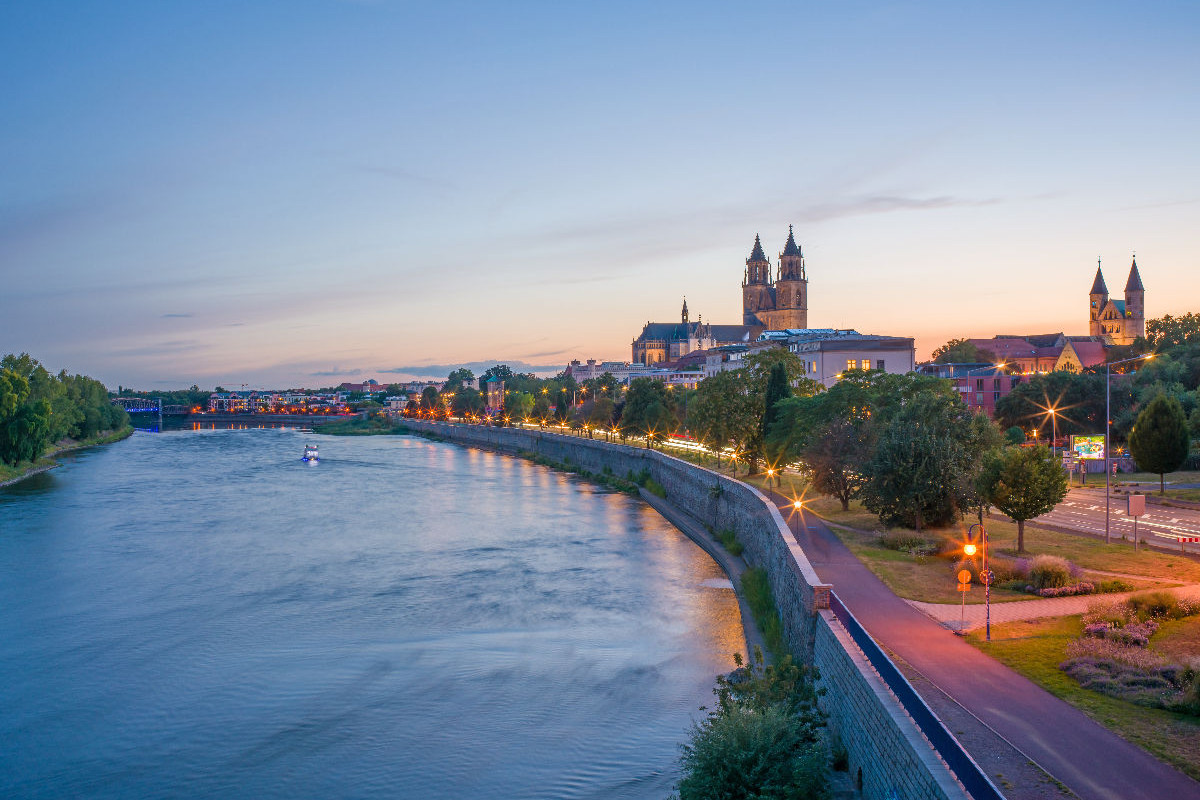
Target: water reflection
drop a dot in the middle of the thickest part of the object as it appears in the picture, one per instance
(201, 614)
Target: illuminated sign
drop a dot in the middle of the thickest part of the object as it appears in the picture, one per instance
(1089, 447)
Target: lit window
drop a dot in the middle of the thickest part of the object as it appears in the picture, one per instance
(852, 363)
(866, 363)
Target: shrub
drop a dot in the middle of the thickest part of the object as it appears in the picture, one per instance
(763, 740)
(729, 541)
(1163, 605)
(757, 591)
(1113, 586)
(1048, 572)
(908, 542)
(1067, 591)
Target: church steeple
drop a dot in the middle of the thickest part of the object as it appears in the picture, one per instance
(758, 269)
(1098, 285)
(1134, 284)
(685, 314)
(791, 248)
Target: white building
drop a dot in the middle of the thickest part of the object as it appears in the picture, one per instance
(828, 352)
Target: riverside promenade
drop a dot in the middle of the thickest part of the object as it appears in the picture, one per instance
(1088, 759)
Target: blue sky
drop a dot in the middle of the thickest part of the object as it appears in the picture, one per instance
(308, 192)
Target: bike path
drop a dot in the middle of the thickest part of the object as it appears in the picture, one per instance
(1090, 760)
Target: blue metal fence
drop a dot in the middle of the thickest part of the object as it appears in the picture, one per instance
(969, 773)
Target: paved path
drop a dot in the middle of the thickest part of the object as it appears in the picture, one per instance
(949, 615)
(1089, 759)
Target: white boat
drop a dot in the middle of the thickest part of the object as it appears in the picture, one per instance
(311, 455)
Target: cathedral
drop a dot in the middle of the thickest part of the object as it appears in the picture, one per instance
(1118, 321)
(775, 302)
(770, 301)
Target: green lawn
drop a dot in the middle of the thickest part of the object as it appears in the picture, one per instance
(1183, 476)
(932, 579)
(1036, 648)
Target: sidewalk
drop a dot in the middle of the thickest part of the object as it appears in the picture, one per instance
(949, 615)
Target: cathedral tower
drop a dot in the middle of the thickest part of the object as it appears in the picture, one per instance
(757, 291)
(791, 290)
(1099, 299)
(1135, 304)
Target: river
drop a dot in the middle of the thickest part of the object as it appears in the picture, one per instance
(200, 614)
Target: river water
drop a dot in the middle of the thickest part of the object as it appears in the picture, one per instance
(200, 614)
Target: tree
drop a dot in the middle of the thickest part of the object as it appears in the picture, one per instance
(923, 464)
(467, 402)
(430, 399)
(518, 405)
(1160, 438)
(562, 405)
(756, 374)
(1023, 482)
(962, 351)
(1014, 435)
(649, 410)
(1168, 331)
(777, 389)
(456, 380)
(834, 459)
(1079, 399)
(721, 413)
(600, 412)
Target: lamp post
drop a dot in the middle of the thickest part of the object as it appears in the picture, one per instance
(984, 576)
(1053, 430)
(1108, 424)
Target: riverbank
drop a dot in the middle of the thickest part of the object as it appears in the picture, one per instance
(15, 474)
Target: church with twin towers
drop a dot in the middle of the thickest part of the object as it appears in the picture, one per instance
(774, 298)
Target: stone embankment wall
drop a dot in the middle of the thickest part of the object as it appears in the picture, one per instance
(886, 751)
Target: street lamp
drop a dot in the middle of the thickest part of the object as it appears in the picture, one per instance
(1053, 428)
(1108, 424)
(985, 577)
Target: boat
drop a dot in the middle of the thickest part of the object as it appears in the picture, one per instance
(311, 455)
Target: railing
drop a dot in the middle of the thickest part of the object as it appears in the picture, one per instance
(968, 772)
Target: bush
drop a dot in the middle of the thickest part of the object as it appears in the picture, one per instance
(763, 740)
(908, 542)
(1071, 590)
(1048, 572)
(757, 591)
(1160, 605)
(1113, 586)
(729, 541)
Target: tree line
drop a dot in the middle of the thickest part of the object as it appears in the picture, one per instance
(38, 409)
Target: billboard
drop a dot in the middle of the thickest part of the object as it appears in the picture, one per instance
(1089, 447)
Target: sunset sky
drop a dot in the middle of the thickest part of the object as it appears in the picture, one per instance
(302, 193)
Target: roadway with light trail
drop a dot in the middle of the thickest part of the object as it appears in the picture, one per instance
(1160, 527)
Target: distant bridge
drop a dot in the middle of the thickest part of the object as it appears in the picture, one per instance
(140, 405)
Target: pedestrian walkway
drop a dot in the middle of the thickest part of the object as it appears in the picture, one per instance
(955, 617)
(1090, 760)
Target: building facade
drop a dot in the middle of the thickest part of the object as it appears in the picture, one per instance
(670, 341)
(828, 353)
(775, 300)
(1119, 321)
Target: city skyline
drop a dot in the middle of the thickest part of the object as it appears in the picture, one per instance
(223, 195)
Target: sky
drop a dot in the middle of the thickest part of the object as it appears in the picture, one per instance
(304, 193)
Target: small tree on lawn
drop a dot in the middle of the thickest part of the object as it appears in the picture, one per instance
(834, 458)
(1160, 437)
(1023, 482)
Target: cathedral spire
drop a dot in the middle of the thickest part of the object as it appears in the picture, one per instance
(1134, 284)
(791, 248)
(1098, 285)
(757, 253)
(685, 314)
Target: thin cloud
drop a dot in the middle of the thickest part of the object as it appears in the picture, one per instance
(478, 367)
(177, 316)
(337, 372)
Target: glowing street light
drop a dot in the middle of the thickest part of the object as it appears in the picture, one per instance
(985, 576)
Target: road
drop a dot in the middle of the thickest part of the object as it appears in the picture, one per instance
(1161, 527)
(1090, 760)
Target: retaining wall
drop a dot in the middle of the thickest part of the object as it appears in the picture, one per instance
(886, 750)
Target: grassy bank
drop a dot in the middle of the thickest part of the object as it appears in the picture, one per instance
(357, 426)
(12, 473)
(1036, 648)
